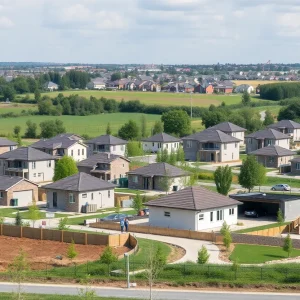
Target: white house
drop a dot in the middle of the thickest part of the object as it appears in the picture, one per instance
(106, 143)
(244, 88)
(193, 208)
(50, 86)
(160, 142)
(29, 163)
(96, 84)
(68, 144)
(78, 191)
(266, 137)
(211, 145)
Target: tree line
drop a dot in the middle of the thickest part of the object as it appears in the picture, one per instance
(279, 91)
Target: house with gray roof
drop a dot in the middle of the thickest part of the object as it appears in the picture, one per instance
(295, 166)
(29, 163)
(79, 192)
(107, 143)
(266, 137)
(244, 88)
(290, 128)
(273, 156)
(158, 176)
(211, 145)
(96, 84)
(68, 144)
(7, 145)
(105, 166)
(160, 142)
(50, 86)
(231, 129)
(193, 208)
(17, 191)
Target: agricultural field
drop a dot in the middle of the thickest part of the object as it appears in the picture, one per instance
(16, 107)
(166, 99)
(255, 83)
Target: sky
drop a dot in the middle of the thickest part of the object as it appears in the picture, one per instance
(150, 31)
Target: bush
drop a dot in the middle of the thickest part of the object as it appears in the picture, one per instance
(203, 256)
(206, 176)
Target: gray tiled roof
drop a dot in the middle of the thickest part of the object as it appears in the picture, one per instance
(63, 141)
(162, 138)
(105, 158)
(107, 140)
(6, 142)
(273, 150)
(8, 181)
(268, 133)
(211, 135)
(80, 182)
(228, 127)
(26, 154)
(285, 124)
(193, 198)
(159, 169)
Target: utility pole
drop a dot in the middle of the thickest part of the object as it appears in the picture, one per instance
(126, 255)
(191, 105)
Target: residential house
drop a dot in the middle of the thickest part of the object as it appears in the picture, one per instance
(204, 88)
(244, 88)
(266, 137)
(107, 143)
(63, 144)
(223, 87)
(50, 86)
(290, 128)
(156, 176)
(7, 145)
(106, 166)
(295, 166)
(18, 188)
(231, 129)
(29, 163)
(96, 84)
(211, 145)
(273, 156)
(76, 192)
(193, 208)
(160, 142)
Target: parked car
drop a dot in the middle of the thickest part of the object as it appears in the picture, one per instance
(114, 217)
(254, 213)
(281, 187)
(146, 211)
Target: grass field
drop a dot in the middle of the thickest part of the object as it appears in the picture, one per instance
(167, 99)
(11, 213)
(255, 254)
(16, 107)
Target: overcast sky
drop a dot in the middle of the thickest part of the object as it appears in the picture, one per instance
(150, 31)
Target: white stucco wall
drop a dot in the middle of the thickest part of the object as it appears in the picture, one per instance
(296, 135)
(116, 149)
(239, 135)
(283, 143)
(77, 151)
(42, 171)
(155, 146)
(231, 153)
(101, 198)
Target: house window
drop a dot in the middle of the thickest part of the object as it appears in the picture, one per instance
(167, 214)
(225, 146)
(297, 166)
(1, 194)
(189, 144)
(201, 217)
(152, 144)
(122, 148)
(78, 151)
(11, 148)
(33, 165)
(72, 152)
(39, 174)
(84, 195)
(271, 159)
(71, 198)
(34, 174)
(135, 179)
(211, 216)
(158, 145)
(219, 215)
(231, 211)
(92, 196)
(49, 163)
(236, 145)
(108, 194)
(82, 152)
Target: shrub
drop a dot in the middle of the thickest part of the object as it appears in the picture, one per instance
(206, 176)
(203, 256)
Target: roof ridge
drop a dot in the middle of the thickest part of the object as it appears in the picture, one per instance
(193, 197)
(79, 180)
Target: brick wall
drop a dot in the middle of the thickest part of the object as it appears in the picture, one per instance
(4, 149)
(135, 185)
(117, 168)
(71, 207)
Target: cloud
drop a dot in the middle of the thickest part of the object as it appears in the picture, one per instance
(6, 23)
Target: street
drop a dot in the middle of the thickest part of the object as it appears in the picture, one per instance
(144, 293)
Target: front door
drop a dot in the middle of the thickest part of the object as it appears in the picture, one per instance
(146, 183)
(212, 157)
(54, 199)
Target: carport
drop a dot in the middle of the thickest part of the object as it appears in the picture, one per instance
(270, 203)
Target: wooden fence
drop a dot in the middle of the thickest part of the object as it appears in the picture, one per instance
(65, 236)
(189, 234)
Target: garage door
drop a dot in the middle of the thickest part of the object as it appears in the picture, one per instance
(24, 197)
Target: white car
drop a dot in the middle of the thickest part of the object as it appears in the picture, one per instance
(281, 187)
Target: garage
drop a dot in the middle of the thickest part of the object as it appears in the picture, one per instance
(24, 197)
(269, 204)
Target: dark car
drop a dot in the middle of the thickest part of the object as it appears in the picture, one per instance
(254, 213)
(146, 211)
(114, 217)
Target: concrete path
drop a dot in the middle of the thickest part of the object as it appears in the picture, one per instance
(262, 115)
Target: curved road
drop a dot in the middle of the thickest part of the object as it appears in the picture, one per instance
(144, 293)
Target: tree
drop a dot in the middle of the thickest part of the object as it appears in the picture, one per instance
(203, 256)
(227, 240)
(51, 128)
(180, 154)
(30, 130)
(8, 92)
(62, 224)
(288, 245)
(129, 131)
(176, 122)
(251, 173)
(223, 179)
(71, 251)
(246, 99)
(269, 119)
(165, 183)
(261, 175)
(18, 271)
(34, 213)
(65, 167)
(18, 219)
(137, 203)
(17, 130)
(2, 219)
(108, 257)
(158, 156)
(143, 126)
(172, 158)
(108, 130)
(116, 76)
(164, 155)
(225, 228)
(158, 127)
(37, 95)
(134, 148)
(280, 218)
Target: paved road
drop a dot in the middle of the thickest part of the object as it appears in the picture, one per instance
(144, 293)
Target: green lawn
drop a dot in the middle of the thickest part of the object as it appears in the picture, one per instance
(261, 227)
(11, 213)
(255, 254)
(16, 107)
(125, 190)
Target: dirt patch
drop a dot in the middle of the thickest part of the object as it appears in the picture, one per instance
(176, 253)
(42, 253)
(224, 254)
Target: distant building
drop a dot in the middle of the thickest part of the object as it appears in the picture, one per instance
(96, 84)
(50, 86)
(160, 142)
(244, 88)
(7, 145)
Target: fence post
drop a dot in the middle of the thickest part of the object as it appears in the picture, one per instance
(21, 231)
(62, 236)
(41, 233)
(85, 239)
